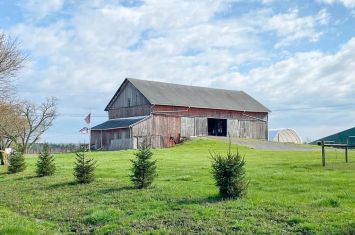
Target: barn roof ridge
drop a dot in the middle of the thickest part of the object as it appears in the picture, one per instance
(163, 93)
(177, 84)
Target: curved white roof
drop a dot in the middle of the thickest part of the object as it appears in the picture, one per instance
(285, 135)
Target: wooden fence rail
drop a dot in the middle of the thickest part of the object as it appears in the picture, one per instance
(329, 144)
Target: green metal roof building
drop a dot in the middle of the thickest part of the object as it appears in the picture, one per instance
(343, 137)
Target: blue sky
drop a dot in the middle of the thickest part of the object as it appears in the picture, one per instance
(296, 57)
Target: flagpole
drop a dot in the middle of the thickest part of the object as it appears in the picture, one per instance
(87, 119)
(90, 133)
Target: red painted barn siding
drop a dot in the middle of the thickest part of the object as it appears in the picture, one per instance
(202, 112)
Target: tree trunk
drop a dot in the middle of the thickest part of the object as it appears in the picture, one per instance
(4, 158)
(1, 160)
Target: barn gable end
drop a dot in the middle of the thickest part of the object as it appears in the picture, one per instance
(128, 102)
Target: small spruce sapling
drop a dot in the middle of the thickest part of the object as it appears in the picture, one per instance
(143, 168)
(16, 161)
(229, 174)
(45, 165)
(84, 167)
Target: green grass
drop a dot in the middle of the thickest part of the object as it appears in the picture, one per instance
(289, 193)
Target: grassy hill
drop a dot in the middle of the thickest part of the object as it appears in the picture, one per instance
(289, 193)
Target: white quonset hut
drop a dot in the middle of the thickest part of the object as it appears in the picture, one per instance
(285, 135)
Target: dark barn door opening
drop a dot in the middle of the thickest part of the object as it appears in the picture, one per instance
(217, 127)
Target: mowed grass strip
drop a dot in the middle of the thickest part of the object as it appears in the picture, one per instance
(289, 192)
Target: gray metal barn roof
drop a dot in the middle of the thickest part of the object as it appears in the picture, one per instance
(118, 123)
(161, 93)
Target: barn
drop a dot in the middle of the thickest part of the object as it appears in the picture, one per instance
(164, 113)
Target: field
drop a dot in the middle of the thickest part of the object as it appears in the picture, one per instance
(289, 193)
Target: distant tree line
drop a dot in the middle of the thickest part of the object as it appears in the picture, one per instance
(55, 148)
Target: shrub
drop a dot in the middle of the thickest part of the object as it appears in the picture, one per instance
(45, 164)
(16, 162)
(143, 168)
(84, 168)
(229, 174)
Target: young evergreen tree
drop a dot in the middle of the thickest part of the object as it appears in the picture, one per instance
(45, 164)
(143, 168)
(229, 174)
(16, 161)
(84, 168)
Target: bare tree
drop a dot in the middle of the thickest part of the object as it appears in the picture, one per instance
(11, 60)
(10, 121)
(20, 123)
(38, 119)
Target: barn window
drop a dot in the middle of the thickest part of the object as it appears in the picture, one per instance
(129, 102)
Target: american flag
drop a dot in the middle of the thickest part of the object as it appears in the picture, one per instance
(84, 130)
(87, 119)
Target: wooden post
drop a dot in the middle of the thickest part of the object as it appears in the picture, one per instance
(323, 154)
(101, 142)
(346, 154)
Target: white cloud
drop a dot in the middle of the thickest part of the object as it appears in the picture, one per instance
(39, 9)
(82, 58)
(346, 3)
(298, 80)
(97, 40)
(311, 79)
(290, 26)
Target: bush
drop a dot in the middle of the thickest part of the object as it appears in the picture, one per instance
(84, 168)
(229, 174)
(45, 163)
(143, 168)
(16, 162)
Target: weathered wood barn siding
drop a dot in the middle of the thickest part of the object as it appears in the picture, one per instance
(233, 128)
(239, 124)
(193, 126)
(252, 129)
(111, 139)
(201, 126)
(130, 102)
(141, 110)
(187, 127)
(158, 130)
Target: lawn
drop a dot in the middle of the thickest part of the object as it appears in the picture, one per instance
(289, 193)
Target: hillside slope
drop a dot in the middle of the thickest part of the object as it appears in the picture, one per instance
(289, 193)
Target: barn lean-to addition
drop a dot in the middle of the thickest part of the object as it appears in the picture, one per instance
(164, 113)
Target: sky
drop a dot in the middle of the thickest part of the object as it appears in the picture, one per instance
(295, 57)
